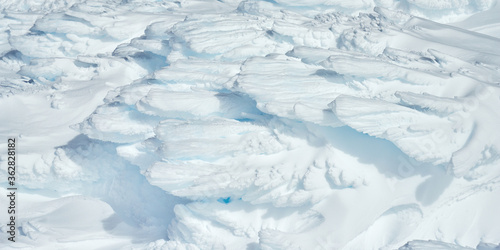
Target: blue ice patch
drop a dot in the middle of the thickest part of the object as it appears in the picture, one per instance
(224, 200)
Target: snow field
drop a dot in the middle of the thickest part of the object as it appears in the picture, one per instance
(253, 124)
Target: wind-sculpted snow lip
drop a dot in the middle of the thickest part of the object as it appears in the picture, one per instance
(232, 124)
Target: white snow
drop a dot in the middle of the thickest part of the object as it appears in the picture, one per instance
(245, 124)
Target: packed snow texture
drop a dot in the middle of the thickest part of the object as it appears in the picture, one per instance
(324, 124)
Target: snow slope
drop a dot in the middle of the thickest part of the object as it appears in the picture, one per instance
(232, 124)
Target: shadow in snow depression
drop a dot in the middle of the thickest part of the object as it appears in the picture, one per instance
(391, 161)
(367, 149)
(120, 184)
(429, 191)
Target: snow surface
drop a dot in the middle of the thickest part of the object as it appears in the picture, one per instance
(204, 124)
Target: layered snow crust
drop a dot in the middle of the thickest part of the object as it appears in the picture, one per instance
(232, 124)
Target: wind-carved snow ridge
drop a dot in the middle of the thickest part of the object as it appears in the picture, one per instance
(257, 124)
